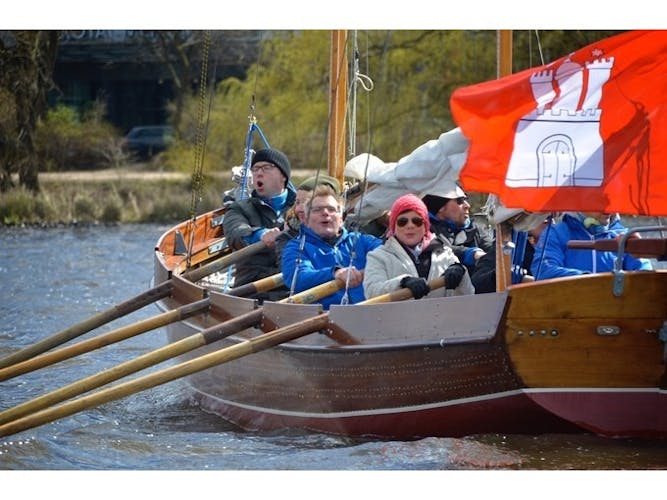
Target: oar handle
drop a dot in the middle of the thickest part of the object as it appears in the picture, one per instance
(200, 272)
(261, 285)
(316, 293)
(403, 293)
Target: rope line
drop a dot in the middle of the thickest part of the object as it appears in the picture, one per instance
(200, 144)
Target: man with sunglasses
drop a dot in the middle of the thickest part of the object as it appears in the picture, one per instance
(261, 217)
(449, 213)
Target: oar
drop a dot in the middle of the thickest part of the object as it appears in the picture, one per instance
(197, 273)
(129, 331)
(105, 339)
(205, 337)
(403, 293)
(638, 247)
(143, 299)
(261, 285)
(265, 341)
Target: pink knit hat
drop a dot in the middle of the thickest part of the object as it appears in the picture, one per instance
(405, 203)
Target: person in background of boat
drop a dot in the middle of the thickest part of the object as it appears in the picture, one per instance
(449, 214)
(553, 259)
(296, 215)
(412, 256)
(261, 217)
(329, 251)
(484, 276)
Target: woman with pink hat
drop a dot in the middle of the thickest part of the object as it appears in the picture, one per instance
(412, 256)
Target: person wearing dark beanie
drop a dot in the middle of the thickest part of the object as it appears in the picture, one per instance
(261, 217)
(276, 157)
(412, 256)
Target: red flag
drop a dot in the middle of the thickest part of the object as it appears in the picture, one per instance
(587, 132)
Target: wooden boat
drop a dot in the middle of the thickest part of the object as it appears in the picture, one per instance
(525, 360)
(575, 354)
(584, 354)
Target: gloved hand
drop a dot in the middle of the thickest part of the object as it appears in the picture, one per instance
(417, 286)
(453, 275)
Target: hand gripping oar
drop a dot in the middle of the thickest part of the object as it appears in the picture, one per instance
(265, 341)
(124, 308)
(205, 337)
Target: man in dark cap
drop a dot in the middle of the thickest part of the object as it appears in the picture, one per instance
(449, 212)
(261, 217)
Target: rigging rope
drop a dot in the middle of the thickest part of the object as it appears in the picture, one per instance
(200, 143)
(302, 234)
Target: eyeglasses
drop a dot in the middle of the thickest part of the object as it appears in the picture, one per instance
(264, 168)
(326, 208)
(461, 200)
(416, 221)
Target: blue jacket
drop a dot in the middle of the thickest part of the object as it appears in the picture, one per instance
(319, 260)
(553, 259)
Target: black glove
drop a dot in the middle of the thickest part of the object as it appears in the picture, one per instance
(453, 275)
(417, 286)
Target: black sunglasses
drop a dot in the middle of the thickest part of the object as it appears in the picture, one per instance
(461, 200)
(402, 221)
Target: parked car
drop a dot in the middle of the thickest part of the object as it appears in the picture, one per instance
(146, 141)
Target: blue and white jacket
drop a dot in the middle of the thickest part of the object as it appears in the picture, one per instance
(553, 258)
(319, 260)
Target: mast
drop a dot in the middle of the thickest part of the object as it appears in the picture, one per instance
(337, 104)
(503, 258)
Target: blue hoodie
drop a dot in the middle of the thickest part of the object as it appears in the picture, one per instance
(553, 259)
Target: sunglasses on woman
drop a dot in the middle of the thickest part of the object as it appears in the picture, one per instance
(416, 221)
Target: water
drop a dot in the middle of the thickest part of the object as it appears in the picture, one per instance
(54, 278)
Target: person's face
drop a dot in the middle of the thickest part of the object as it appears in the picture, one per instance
(601, 218)
(302, 198)
(324, 216)
(267, 179)
(410, 228)
(456, 210)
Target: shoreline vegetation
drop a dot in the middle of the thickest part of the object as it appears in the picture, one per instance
(124, 195)
(131, 194)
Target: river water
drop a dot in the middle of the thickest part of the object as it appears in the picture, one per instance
(53, 278)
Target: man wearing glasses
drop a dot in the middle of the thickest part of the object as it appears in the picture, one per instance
(325, 250)
(261, 217)
(449, 212)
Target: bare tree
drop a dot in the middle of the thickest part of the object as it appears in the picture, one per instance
(26, 69)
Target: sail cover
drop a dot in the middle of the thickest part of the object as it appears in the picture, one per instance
(432, 168)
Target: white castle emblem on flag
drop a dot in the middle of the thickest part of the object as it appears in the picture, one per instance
(559, 142)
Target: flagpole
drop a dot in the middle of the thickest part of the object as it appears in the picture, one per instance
(503, 260)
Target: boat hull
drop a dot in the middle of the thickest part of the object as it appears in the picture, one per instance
(565, 355)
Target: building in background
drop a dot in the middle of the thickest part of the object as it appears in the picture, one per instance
(136, 73)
